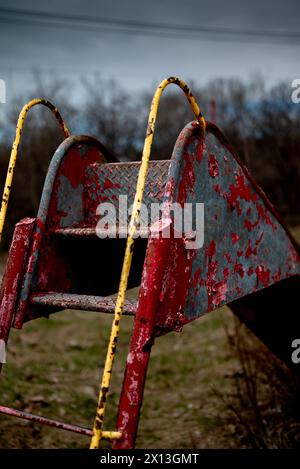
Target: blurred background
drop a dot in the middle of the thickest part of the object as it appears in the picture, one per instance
(99, 62)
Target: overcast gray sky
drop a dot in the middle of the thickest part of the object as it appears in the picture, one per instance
(140, 61)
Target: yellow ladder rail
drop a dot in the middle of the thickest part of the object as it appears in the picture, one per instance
(134, 221)
(15, 148)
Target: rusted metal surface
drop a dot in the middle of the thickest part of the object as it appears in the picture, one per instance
(61, 205)
(45, 421)
(87, 232)
(84, 302)
(142, 338)
(56, 423)
(246, 248)
(11, 283)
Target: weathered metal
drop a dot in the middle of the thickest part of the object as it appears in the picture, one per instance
(249, 260)
(246, 246)
(56, 423)
(61, 205)
(12, 279)
(85, 302)
(246, 250)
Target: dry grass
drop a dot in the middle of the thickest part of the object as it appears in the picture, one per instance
(54, 368)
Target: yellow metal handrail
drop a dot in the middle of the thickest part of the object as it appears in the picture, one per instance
(134, 221)
(15, 147)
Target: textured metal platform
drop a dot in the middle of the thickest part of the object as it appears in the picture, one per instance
(82, 302)
(106, 182)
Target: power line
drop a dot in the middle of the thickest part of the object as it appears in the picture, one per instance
(134, 27)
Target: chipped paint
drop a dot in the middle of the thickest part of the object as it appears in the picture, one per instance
(246, 249)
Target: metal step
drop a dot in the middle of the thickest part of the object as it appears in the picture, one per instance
(91, 232)
(82, 302)
(107, 182)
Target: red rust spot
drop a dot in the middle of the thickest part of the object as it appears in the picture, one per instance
(200, 150)
(211, 283)
(227, 255)
(217, 188)
(259, 239)
(250, 271)
(213, 166)
(249, 225)
(226, 273)
(263, 275)
(239, 269)
(264, 215)
(108, 184)
(220, 291)
(210, 250)
(196, 277)
(240, 190)
(187, 181)
(250, 251)
(234, 238)
(74, 164)
(277, 277)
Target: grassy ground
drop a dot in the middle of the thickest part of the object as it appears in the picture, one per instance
(54, 368)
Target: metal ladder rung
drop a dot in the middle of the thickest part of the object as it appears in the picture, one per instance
(84, 302)
(106, 435)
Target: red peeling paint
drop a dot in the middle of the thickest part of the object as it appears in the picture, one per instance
(211, 284)
(218, 189)
(240, 190)
(220, 291)
(263, 275)
(187, 180)
(239, 269)
(250, 251)
(264, 215)
(200, 150)
(227, 255)
(249, 225)
(257, 242)
(277, 277)
(74, 164)
(226, 273)
(196, 277)
(108, 184)
(213, 166)
(210, 250)
(234, 238)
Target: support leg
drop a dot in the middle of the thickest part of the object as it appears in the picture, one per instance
(141, 342)
(12, 279)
